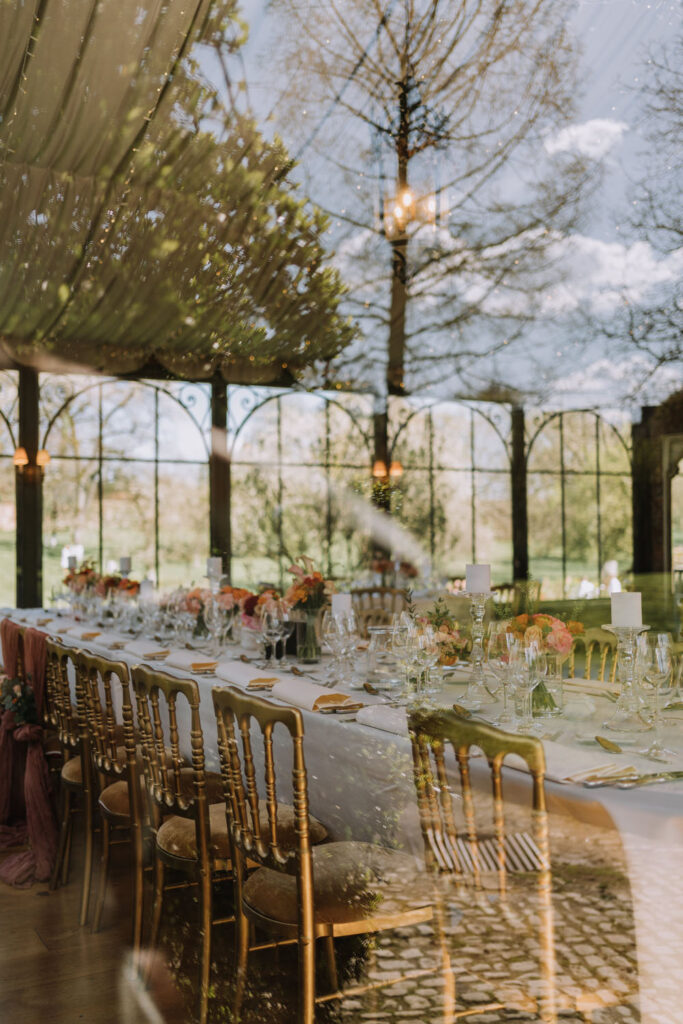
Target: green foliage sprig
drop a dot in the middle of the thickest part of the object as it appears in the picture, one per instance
(18, 697)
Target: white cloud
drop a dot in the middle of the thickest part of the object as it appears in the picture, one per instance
(602, 275)
(592, 139)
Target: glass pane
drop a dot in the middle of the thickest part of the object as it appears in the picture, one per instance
(545, 533)
(350, 552)
(256, 441)
(412, 444)
(615, 523)
(8, 522)
(545, 446)
(453, 518)
(75, 430)
(184, 424)
(489, 448)
(70, 517)
(582, 532)
(451, 436)
(302, 429)
(128, 516)
(183, 524)
(494, 524)
(128, 421)
(304, 517)
(255, 519)
(579, 441)
(614, 455)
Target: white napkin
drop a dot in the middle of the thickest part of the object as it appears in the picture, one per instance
(83, 632)
(381, 716)
(147, 649)
(304, 694)
(240, 674)
(112, 641)
(563, 762)
(190, 661)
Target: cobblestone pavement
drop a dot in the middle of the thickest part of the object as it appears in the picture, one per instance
(494, 949)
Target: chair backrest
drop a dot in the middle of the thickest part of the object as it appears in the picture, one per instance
(372, 617)
(162, 701)
(70, 716)
(254, 835)
(601, 655)
(109, 720)
(458, 850)
(391, 599)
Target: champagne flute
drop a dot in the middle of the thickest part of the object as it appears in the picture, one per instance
(526, 679)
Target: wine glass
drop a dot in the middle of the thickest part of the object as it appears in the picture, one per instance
(270, 634)
(426, 657)
(287, 626)
(526, 678)
(501, 655)
(657, 675)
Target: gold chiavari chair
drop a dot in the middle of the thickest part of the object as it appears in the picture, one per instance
(372, 617)
(76, 774)
(599, 649)
(298, 892)
(463, 853)
(105, 685)
(187, 817)
(390, 599)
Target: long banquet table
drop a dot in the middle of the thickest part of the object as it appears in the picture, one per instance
(361, 785)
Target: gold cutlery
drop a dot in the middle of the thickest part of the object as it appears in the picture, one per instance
(649, 779)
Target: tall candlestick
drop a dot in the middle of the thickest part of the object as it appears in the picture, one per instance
(125, 564)
(214, 566)
(71, 563)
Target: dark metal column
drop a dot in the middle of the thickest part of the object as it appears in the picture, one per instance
(29, 496)
(520, 525)
(219, 478)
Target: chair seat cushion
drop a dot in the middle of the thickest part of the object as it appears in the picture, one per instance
(72, 772)
(177, 835)
(352, 882)
(114, 801)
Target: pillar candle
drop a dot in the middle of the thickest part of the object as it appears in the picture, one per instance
(627, 609)
(341, 604)
(214, 566)
(71, 562)
(477, 579)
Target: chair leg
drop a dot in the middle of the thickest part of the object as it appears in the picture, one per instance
(158, 901)
(87, 870)
(331, 963)
(241, 959)
(104, 870)
(64, 827)
(306, 1013)
(206, 911)
(138, 890)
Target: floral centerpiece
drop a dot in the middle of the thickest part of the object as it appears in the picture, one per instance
(18, 698)
(114, 583)
(555, 639)
(254, 606)
(449, 638)
(307, 595)
(81, 579)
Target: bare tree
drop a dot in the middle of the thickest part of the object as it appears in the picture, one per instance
(435, 117)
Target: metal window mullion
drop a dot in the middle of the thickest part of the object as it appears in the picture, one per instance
(328, 507)
(280, 517)
(563, 509)
(473, 486)
(432, 539)
(100, 502)
(597, 492)
(156, 485)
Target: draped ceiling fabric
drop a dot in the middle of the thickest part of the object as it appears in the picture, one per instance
(138, 221)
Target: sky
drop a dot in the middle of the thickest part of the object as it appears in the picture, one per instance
(600, 262)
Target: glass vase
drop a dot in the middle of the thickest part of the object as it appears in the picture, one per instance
(308, 648)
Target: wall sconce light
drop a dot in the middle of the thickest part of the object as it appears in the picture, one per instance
(20, 458)
(379, 469)
(23, 463)
(395, 470)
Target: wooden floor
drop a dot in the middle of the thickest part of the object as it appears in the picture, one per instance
(52, 970)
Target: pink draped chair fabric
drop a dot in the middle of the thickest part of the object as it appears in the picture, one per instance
(21, 754)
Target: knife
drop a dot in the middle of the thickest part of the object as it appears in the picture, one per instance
(645, 780)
